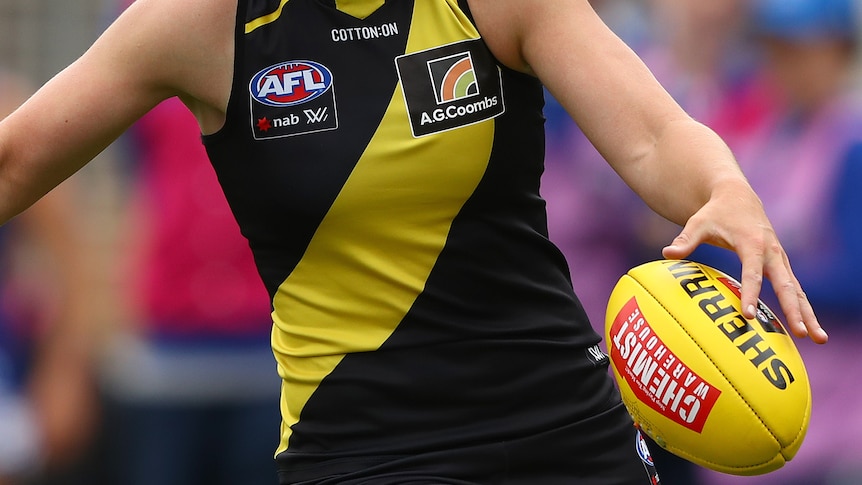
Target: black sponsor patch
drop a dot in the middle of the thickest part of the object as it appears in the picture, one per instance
(450, 86)
(292, 98)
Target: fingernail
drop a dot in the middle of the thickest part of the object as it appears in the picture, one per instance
(751, 310)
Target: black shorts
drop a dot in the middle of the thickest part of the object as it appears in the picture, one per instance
(603, 450)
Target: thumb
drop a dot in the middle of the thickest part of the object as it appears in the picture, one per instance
(682, 245)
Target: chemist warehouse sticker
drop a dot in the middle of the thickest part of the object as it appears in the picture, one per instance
(655, 374)
(450, 86)
(292, 98)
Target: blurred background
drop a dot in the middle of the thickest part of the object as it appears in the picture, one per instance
(134, 329)
(127, 369)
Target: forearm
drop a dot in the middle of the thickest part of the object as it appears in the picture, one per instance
(687, 165)
(673, 162)
(45, 141)
(22, 185)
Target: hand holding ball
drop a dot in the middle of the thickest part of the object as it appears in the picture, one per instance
(707, 384)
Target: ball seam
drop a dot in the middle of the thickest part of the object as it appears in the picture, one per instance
(720, 371)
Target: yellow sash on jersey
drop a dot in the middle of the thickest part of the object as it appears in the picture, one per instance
(371, 255)
(359, 8)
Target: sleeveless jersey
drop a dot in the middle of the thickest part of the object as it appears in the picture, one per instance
(385, 170)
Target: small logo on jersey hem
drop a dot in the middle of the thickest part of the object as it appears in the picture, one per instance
(450, 86)
(646, 457)
(596, 356)
(292, 98)
(643, 449)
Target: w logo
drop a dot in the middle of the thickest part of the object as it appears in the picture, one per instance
(453, 77)
(316, 116)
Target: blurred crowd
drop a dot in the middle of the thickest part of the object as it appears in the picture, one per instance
(184, 366)
(779, 80)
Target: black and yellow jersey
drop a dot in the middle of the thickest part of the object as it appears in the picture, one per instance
(385, 169)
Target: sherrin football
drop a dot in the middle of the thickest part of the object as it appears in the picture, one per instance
(707, 384)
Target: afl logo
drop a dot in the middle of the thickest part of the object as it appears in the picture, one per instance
(643, 450)
(290, 83)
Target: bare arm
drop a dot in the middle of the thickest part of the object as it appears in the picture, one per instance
(59, 383)
(681, 168)
(157, 49)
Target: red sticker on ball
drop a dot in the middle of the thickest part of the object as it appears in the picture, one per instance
(655, 374)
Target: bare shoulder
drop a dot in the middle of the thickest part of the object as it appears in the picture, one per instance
(181, 49)
(525, 34)
(499, 24)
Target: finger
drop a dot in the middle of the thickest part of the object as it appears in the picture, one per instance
(788, 297)
(815, 331)
(797, 309)
(683, 244)
(752, 282)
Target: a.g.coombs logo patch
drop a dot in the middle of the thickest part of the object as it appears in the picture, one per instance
(657, 376)
(292, 98)
(450, 86)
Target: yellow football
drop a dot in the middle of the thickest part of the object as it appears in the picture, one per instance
(707, 384)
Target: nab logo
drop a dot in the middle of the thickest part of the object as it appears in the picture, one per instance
(453, 77)
(290, 83)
